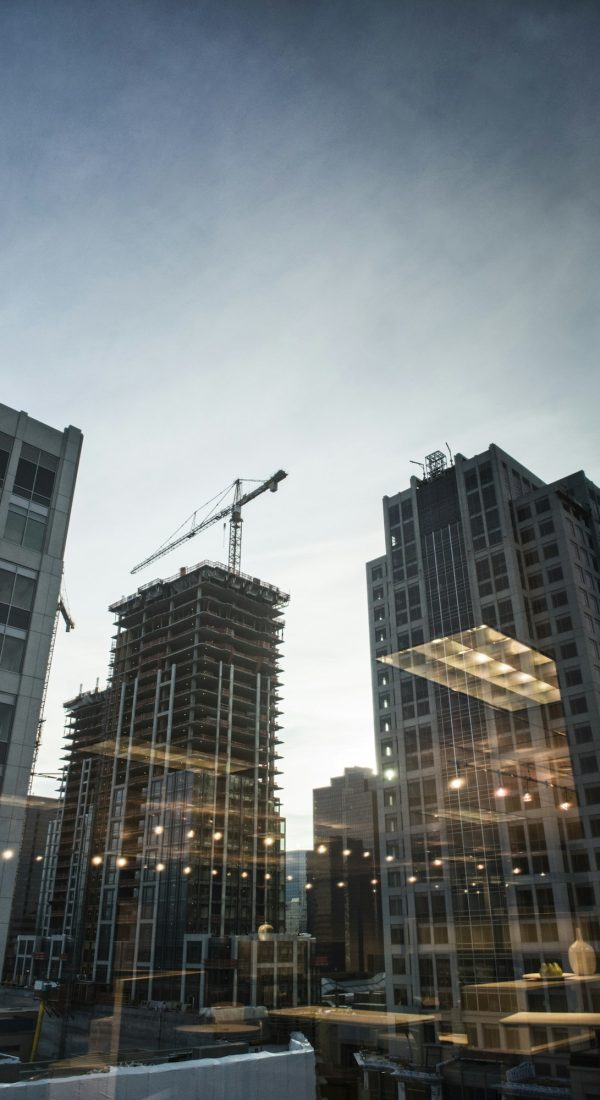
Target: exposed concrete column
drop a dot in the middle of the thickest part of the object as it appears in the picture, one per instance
(142, 880)
(227, 789)
(255, 819)
(106, 840)
(215, 788)
(163, 807)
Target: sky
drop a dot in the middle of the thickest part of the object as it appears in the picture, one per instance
(325, 236)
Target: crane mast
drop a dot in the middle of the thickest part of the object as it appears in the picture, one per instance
(233, 512)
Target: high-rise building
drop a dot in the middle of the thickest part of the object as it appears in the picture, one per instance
(295, 891)
(343, 874)
(171, 829)
(40, 814)
(38, 468)
(485, 642)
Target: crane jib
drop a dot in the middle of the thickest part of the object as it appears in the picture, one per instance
(233, 511)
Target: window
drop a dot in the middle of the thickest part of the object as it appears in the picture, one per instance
(5, 449)
(550, 551)
(542, 505)
(578, 704)
(474, 504)
(523, 513)
(564, 624)
(7, 710)
(536, 580)
(505, 610)
(17, 587)
(26, 523)
(482, 569)
(407, 510)
(555, 574)
(568, 649)
(585, 896)
(559, 599)
(573, 676)
(36, 471)
(547, 527)
(531, 557)
(527, 535)
(583, 734)
(12, 650)
(588, 763)
(471, 481)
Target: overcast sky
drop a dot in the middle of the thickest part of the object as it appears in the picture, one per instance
(325, 236)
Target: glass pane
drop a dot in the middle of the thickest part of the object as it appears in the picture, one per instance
(34, 534)
(44, 484)
(15, 525)
(7, 580)
(19, 618)
(6, 716)
(24, 590)
(25, 477)
(12, 653)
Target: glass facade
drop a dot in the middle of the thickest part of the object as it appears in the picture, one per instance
(494, 869)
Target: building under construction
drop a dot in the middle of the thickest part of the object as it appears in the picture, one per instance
(171, 827)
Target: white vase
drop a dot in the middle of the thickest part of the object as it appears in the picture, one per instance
(582, 957)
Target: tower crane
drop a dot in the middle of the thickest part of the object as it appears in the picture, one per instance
(233, 511)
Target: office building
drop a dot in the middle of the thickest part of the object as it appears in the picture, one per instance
(343, 895)
(38, 468)
(485, 642)
(171, 828)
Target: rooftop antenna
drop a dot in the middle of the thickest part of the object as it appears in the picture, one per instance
(450, 453)
(421, 464)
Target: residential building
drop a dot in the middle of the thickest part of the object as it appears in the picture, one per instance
(38, 469)
(485, 642)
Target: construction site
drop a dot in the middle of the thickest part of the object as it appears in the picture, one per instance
(169, 845)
